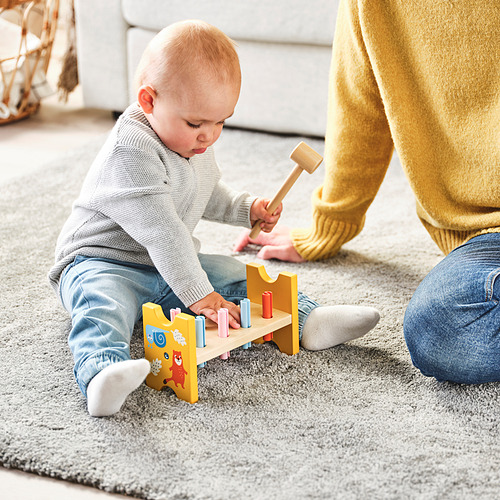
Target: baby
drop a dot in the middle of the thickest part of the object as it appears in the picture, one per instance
(129, 238)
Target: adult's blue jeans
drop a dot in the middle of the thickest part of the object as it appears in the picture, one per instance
(105, 297)
(452, 323)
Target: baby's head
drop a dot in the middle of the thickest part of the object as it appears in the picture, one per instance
(188, 83)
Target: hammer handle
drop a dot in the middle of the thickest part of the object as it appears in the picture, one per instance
(278, 198)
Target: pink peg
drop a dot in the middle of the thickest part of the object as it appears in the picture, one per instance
(223, 327)
(174, 313)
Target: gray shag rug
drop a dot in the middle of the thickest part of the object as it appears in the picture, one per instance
(356, 421)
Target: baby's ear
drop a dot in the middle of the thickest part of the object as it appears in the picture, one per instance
(146, 96)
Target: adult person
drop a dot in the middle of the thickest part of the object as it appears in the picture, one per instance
(423, 77)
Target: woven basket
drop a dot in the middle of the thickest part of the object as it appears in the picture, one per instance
(17, 70)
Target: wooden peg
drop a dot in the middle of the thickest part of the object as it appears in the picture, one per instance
(267, 311)
(174, 313)
(223, 327)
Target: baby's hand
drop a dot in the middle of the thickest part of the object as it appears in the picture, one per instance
(209, 305)
(258, 211)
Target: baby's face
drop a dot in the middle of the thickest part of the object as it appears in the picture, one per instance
(191, 121)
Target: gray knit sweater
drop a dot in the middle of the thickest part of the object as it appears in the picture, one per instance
(141, 202)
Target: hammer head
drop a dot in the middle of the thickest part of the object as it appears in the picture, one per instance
(306, 158)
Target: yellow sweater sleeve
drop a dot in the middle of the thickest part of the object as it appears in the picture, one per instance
(358, 147)
(423, 77)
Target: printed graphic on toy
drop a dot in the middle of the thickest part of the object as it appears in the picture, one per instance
(176, 348)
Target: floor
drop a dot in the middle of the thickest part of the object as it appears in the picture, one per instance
(25, 146)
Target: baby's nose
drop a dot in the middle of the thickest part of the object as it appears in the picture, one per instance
(206, 136)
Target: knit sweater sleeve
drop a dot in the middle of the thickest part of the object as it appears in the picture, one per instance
(359, 145)
(229, 206)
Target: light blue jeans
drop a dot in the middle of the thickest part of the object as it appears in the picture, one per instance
(452, 323)
(105, 298)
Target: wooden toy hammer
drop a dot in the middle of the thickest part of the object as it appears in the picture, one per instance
(306, 159)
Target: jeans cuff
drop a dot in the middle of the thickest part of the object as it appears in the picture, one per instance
(306, 305)
(93, 366)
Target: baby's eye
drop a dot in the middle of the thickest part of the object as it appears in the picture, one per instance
(192, 125)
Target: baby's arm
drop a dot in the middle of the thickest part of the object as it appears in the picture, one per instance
(209, 305)
(237, 208)
(228, 206)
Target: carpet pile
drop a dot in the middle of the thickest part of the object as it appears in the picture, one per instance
(356, 421)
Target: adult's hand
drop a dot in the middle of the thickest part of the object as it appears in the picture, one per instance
(275, 245)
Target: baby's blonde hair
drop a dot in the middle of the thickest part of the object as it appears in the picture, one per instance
(185, 49)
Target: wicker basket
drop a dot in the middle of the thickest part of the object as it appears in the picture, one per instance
(17, 71)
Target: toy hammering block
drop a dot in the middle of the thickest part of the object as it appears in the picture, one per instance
(171, 347)
(305, 158)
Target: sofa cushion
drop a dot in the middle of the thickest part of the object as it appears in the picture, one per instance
(275, 95)
(280, 21)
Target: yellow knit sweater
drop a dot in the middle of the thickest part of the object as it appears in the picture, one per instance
(424, 77)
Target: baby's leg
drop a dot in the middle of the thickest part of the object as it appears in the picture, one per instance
(105, 299)
(227, 275)
(322, 327)
(319, 327)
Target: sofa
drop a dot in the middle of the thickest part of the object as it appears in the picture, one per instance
(284, 48)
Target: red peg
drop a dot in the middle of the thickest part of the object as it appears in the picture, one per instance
(267, 310)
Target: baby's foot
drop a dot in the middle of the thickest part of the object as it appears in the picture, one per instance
(328, 326)
(108, 390)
